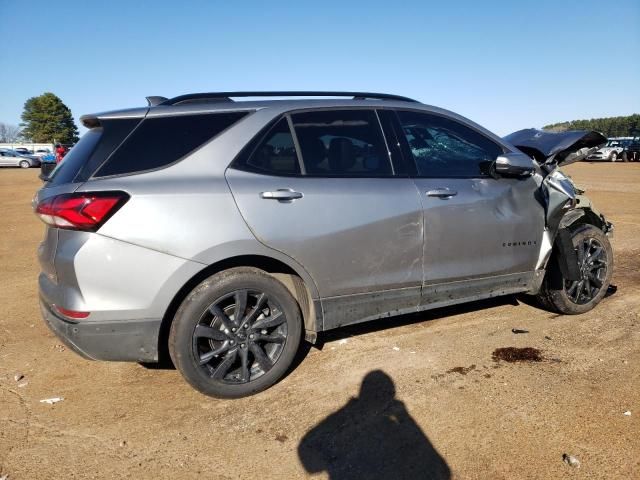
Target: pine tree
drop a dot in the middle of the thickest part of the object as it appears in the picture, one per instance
(46, 119)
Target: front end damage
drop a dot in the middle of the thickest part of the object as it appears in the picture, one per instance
(564, 204)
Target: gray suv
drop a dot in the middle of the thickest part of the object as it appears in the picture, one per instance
(223, 233)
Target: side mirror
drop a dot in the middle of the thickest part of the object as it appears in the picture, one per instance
(514, 164)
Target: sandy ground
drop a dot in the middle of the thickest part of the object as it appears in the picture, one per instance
(383, 400)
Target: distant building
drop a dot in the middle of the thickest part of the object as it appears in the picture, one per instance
(30, 146)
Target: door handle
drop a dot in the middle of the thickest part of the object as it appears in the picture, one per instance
(282, 194)
(441, 193)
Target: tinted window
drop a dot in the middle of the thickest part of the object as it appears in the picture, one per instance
(274, 154)
(342, 143)
(87, 158)
(159, 141)
(445, 148)
(68, 168)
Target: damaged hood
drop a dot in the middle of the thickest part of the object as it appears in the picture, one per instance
(561, 148)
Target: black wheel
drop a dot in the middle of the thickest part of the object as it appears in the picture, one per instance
(24, 164)
(595, 261)
(236, 333)
(613, 157)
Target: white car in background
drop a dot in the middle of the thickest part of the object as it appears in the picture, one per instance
(11, 158)
(41, 152)
(611, 152)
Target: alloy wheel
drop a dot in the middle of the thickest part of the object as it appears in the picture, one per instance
(240, 337)
(592, 262)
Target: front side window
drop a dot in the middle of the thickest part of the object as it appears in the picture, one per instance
(442, 147)
(342, 143)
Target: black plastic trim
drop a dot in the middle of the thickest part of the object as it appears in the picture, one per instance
(567, 256)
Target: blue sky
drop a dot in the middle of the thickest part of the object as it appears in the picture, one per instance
(505, 64)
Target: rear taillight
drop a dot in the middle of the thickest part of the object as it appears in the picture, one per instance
(80, 211)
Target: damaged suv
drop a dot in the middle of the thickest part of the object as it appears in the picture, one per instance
(224, 233)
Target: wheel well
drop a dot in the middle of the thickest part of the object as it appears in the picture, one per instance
(280, 270)
(590, 218)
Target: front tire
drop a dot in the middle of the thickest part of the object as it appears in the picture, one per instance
(24, 164)
(613, 157)
(236, 334)
(595, 261)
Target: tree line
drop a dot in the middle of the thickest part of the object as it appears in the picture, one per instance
(628, 126)
(45, 119)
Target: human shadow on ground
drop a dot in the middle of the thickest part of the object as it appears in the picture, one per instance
(372, 437)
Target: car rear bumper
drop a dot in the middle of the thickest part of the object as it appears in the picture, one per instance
(122, 340)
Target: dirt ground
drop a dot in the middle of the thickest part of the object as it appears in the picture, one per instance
(412, 397)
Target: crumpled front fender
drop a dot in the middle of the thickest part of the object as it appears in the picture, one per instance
(585, 212)
(565, 206)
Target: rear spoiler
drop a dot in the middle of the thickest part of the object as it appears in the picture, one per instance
(562, 148)
(92, 120)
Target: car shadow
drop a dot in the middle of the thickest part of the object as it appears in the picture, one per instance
(419, 317)
(372, 436)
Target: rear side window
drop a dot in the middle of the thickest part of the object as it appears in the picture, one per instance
(275, 154)
(342, 143)
(443, 148)
(160, 141)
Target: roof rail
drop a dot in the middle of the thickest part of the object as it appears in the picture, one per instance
(226, 96)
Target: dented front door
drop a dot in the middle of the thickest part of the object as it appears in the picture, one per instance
(475, 226)
(487, 227)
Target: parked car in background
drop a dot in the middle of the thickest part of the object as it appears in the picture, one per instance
(41, 152)
(312, 215)
(48, 165)
(611, 152)
(20, 154)
(10, 158)
(23, 151)
(631, 151)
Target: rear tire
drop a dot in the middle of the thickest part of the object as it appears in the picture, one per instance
(595, 258)
(24, 164)
(236, 334)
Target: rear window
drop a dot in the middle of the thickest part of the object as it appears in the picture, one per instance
(92, 150)
(73, 161)
(160, 141)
